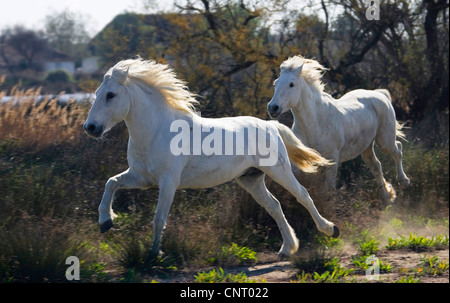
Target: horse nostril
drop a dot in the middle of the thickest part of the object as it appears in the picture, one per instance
(90, 128)
(273, 109)
(93, 130)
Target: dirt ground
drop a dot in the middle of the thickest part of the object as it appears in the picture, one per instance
(271, 269)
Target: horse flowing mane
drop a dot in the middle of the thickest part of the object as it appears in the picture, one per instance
(312, 70)
(158, 76)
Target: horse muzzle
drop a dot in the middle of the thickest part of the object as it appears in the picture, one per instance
(274, 111)
(93, 130)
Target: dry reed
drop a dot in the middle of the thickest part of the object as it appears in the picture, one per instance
(39, 123)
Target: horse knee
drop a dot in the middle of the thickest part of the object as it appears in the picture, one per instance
(158, 225)
(111, 184)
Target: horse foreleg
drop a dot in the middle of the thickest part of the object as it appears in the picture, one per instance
(127, 179)
(167, 190)
(331, 176)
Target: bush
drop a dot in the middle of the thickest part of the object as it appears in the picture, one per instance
(233, 255)
(58, 76)
(33, 253)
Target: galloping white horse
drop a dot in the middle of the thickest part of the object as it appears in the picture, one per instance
(341, 129)
(154, 105)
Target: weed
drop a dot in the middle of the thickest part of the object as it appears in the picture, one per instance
(329, 243)
(219, 276)
(432, 266)
(334, 274)
(94, 272)
(408, 279)
(361, 262)
(369, 248)
(232, 255)
(43, 123)
(36, 254)
(418, 243)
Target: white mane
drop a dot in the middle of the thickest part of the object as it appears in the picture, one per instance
(158, 76)
(312, 70)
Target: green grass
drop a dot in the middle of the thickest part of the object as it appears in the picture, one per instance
(333, 273)
(408, 279)
(233, 255)
(418, 243)
(431, 265)
(219, 276)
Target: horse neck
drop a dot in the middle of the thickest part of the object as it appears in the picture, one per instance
(149, 116)
(309, 114)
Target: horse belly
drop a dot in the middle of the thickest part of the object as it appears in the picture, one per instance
(357, 142)
(210, 171)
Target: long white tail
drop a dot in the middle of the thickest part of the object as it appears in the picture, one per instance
(305, 158)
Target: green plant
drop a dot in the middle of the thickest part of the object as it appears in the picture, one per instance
(418, 243)
(36, 254)
(369, 248)
(232, 255)
(432, 266)
(219, 276)
(334, 274)
(329, 243)
(94, 272)
(361, 261)
(408, 279)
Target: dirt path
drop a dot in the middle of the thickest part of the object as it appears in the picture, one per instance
(273, 270)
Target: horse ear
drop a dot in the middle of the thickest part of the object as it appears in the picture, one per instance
(124, 78)
(298, 70)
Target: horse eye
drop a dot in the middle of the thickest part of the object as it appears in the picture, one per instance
(110, 95)
(291, 84)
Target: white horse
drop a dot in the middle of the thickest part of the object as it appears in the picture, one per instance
(149, 98)
(339, 130)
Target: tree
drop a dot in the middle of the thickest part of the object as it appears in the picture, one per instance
(70, 37)
(226, 52)
(438, 80)
(25, 43)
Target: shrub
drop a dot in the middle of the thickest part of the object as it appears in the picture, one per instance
(418, 243)
(219, 276)
(232, 255)
(58, 76)
(33, 253)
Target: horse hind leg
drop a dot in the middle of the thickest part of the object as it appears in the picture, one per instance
(285, 178)
(386, 141)
(397, 154)
(254, 184)
(387, 192)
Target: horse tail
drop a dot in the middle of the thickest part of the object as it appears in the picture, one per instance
(398, 126)
(305, 158)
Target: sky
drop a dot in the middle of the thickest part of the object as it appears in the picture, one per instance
(97, 13)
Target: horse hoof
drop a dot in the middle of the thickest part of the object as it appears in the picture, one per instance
(105, 226)
(405, 182)
(336, 232)
(283, 256)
